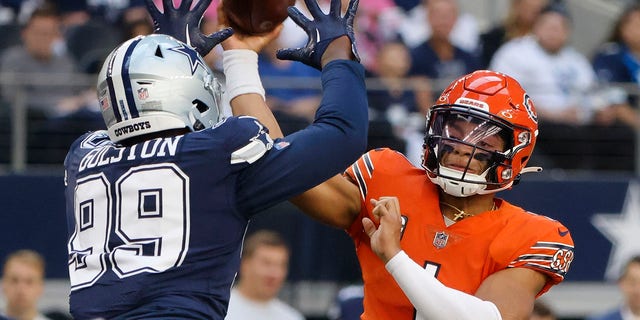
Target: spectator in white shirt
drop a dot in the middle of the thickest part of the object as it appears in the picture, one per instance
(263, 271)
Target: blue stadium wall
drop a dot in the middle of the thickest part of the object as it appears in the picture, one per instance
(32, 216)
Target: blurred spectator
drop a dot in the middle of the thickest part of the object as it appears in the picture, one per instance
(23, 285)
(518, 23)
(394, 62)
(263, 271)
(396, 102)
(556, 75)
(89, 39)
(136, 28)
(42, 73)
(40, 56)
(618, 60)
(13, 14)
(629, 285)
(569, 103)
(415, 29)
(377, 22)
(438, 58)
(415, 125)
(117, 12)
(541, 311)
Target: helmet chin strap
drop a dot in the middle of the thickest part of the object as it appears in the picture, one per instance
(516, 180)
(531, 169)
(466, 188)
(459, 188)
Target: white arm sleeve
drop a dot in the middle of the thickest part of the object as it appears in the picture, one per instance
(432, 299)
(241, 72)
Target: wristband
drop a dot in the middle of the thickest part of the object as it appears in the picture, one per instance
(241, 73)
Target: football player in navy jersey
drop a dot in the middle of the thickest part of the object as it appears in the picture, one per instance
(158, 204)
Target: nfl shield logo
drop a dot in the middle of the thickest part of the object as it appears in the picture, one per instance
(143, 93)
(440, 239)
(104, 103)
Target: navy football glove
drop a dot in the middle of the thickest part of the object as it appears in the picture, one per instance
(323, 29)
(184, 24)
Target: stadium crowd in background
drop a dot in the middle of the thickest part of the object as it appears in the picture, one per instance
(116, 21)
(444, 42)
(575, 115)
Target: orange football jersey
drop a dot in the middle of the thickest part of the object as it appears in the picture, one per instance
(460, 256)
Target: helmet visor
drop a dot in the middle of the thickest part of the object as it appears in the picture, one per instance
(471, 146)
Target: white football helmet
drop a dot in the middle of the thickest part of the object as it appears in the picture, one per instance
(155, 83)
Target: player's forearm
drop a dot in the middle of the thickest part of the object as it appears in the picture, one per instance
(244, 88)
(308, 157)
(432, 299)
(344, 107)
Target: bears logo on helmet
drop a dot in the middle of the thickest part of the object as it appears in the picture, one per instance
(495, 110)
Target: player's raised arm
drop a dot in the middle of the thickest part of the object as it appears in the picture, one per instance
(330, 47)
(243, 84)
(341, 119)
(330, 39)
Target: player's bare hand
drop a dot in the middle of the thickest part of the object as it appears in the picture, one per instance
(385, 239)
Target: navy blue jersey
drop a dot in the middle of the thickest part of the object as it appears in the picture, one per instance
(155, 229)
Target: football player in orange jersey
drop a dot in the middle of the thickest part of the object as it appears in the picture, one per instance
(452, 250)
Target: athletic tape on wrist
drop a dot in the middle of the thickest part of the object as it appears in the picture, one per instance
(241, 73)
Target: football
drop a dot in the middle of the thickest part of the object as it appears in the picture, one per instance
(255, 16)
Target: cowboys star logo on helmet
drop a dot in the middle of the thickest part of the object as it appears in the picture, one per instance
(192, 55)
(155, 83)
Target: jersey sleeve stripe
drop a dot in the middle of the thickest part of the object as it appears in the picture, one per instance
(551, 258)
(551, 245)
(360, 179)
(535, 257)
(368, 164)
